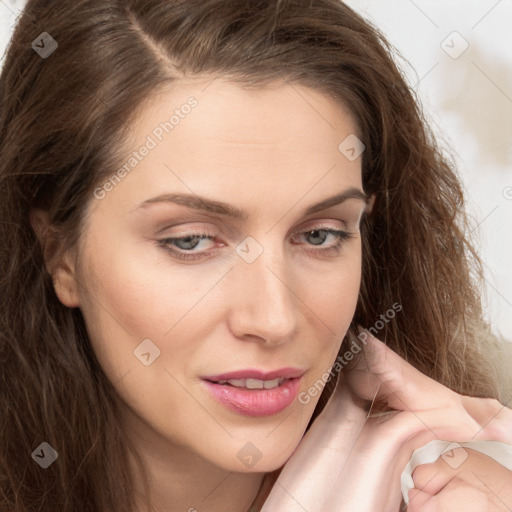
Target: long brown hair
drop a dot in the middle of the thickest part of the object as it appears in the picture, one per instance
(64, 122)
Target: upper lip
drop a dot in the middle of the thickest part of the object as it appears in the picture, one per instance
(283, 373)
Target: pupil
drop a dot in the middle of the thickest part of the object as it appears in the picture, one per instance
(187, 241)
(317, 231)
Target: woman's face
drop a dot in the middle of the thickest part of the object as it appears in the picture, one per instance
(264, 293)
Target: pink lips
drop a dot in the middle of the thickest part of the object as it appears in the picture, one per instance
(256, 402)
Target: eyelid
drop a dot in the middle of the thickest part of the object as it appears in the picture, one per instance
(322, 223)
(311, 225)
(346, 214)
(192, 224)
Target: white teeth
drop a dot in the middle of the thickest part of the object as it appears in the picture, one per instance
(253, 383)
(238, 383)
(269, 384)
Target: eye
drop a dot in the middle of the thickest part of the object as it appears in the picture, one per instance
(184, 247)
(320, 234)
(185, 244)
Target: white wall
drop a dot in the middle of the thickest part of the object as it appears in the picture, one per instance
(467, 96)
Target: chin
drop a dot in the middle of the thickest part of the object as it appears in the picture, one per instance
(260, 452)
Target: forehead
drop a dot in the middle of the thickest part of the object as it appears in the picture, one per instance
(222, 140)
(228, 113)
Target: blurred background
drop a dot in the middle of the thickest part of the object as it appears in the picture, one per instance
(457, 56)
(458, 59)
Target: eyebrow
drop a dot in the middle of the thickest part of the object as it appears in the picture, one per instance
(227, 210)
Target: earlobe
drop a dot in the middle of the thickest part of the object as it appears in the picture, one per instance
(59, 263)
(65, 283)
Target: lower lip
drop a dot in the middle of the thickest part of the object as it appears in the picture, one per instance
(255, 402)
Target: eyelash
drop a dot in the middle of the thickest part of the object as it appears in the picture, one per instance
(334, 249)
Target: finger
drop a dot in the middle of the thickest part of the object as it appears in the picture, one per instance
(421, 501)
(403, 433)
(309, 475)
(456, 495)
(459, 495)
(382, 453)
(400, 385)
(475, 468)
(432, 477)
(495, 418)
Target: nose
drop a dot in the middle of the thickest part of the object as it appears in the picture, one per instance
(263, 304)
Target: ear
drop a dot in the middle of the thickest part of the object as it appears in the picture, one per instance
(59, 264)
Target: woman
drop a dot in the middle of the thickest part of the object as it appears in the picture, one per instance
(169, 330)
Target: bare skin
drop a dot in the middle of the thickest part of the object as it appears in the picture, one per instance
(272, 152)
(354, 462)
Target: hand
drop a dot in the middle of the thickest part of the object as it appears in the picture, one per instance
(479, 484)
(349, 462)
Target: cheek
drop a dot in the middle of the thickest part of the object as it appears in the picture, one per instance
(136, 291)
(333, 294)
(133, 285)
(333, 297)
(330, 300)
(115, 301)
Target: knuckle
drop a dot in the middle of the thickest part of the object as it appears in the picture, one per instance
(423, 475)
(498, 430)
(491, 404)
